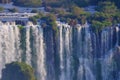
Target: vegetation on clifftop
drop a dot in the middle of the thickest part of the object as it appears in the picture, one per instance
(73, 12)
(28, 3)
(107, 15)
(50, 21)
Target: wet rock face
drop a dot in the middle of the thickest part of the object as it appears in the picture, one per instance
(49, 50)
(116, 57)
(113, 64)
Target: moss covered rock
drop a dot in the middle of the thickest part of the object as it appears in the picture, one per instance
(18, 71)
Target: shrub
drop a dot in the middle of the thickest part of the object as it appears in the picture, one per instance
(20, 27)
(34, 11)
(18, 71)
(1, 8)
(13, 10)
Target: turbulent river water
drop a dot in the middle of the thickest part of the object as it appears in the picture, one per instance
(75, 53)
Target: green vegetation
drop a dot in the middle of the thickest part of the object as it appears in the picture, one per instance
(67, 3)
(59, 3)
(34, 11)
(1, 9)
(35, 18)
(72, 12)
(18, 71)
(50, 21)
(74, 15)
(107, 7)
(79, 14)
(13, 10)
(107, 15)
(53, 3)
(80, 3)
(20, 27)
(28, 3)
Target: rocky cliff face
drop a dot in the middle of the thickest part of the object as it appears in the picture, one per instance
(76, 53)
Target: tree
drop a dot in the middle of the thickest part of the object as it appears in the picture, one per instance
(34, 11)
(1, 9)
(76, 10)
(13, 10)
(107, 7)
(29, 3)
(18, 71)
(33, 19)
(107, 15)
(82, 3)
(50, 21)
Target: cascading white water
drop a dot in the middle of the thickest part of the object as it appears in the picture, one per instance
(85, 48)
(65, 51)
(39, 46)
(9, 43)
(10, 49)
(62, 77)
(117, 30)
(109, 65)
(28, 50)
(68, 52)
(81, 53)
(84, 72)
(17, 42)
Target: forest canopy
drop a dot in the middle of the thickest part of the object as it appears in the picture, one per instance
(27, 3)
(59, 3)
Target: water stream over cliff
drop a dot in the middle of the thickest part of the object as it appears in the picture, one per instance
(75, 53)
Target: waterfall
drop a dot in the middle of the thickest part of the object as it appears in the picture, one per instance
(61, 54)
(76, 53)
(39, 45)
(10, 43)
(89, 55)
(65, 51)
(28, 50)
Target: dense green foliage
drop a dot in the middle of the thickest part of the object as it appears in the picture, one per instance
(72, 12)
(13, 10)
(30, 3)
(18, 71)
(20, 27)
(81, 3)
(50, 21)
(35, 18)
(107, 15)
(1, 9)
(59, 3)
(73, 16)
(34, 11)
